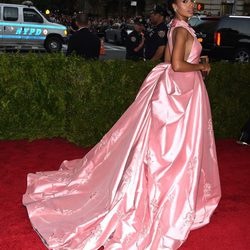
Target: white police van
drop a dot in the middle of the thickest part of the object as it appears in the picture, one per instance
(24, 27)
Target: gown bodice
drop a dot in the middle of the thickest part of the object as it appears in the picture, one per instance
(195, 52)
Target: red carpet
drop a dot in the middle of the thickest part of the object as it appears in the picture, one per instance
(229, 228)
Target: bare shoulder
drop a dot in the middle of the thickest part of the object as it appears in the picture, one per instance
(180, 31)
(180, 34)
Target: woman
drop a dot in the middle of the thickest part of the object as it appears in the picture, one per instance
(152, 178)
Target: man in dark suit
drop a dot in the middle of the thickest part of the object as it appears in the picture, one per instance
(83, 42)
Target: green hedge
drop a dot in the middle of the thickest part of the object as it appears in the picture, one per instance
(44, 96)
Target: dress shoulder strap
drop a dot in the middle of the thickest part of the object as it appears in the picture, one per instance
(179, 23)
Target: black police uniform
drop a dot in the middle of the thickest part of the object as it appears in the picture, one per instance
(155, 38)
(132, 41)
(84, 43)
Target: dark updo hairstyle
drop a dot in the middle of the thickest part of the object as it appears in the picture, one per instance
(170, 8)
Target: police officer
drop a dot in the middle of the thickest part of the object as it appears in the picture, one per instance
(156, 38)
(135, 41)
(83, 42)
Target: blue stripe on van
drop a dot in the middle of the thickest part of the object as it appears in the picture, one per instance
(33, 25)
(23, 37)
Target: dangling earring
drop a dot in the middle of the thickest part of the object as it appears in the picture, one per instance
(175, 10)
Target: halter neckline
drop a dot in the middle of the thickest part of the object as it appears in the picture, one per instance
(177, 23)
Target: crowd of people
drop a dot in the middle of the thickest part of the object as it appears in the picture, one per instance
(96, 24)
(146, 42)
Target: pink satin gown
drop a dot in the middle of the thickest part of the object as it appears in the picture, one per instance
(150, 180)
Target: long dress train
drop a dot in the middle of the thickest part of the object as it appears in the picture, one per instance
(150, 180)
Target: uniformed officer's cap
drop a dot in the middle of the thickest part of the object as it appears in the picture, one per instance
(159, 10)
(139, 20)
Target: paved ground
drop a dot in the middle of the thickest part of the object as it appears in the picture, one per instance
(111, 51)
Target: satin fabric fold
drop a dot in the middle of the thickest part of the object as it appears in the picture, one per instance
(150, 180)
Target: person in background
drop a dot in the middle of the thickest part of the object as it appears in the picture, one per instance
(83, 42)
(156, 38)
(73, 27)
(124, 34)
(135, 41)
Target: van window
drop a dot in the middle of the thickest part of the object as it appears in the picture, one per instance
(231, 23)
(239, 25)
(242, 25)
(10, 14)
(30, 15)
(207, 27)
